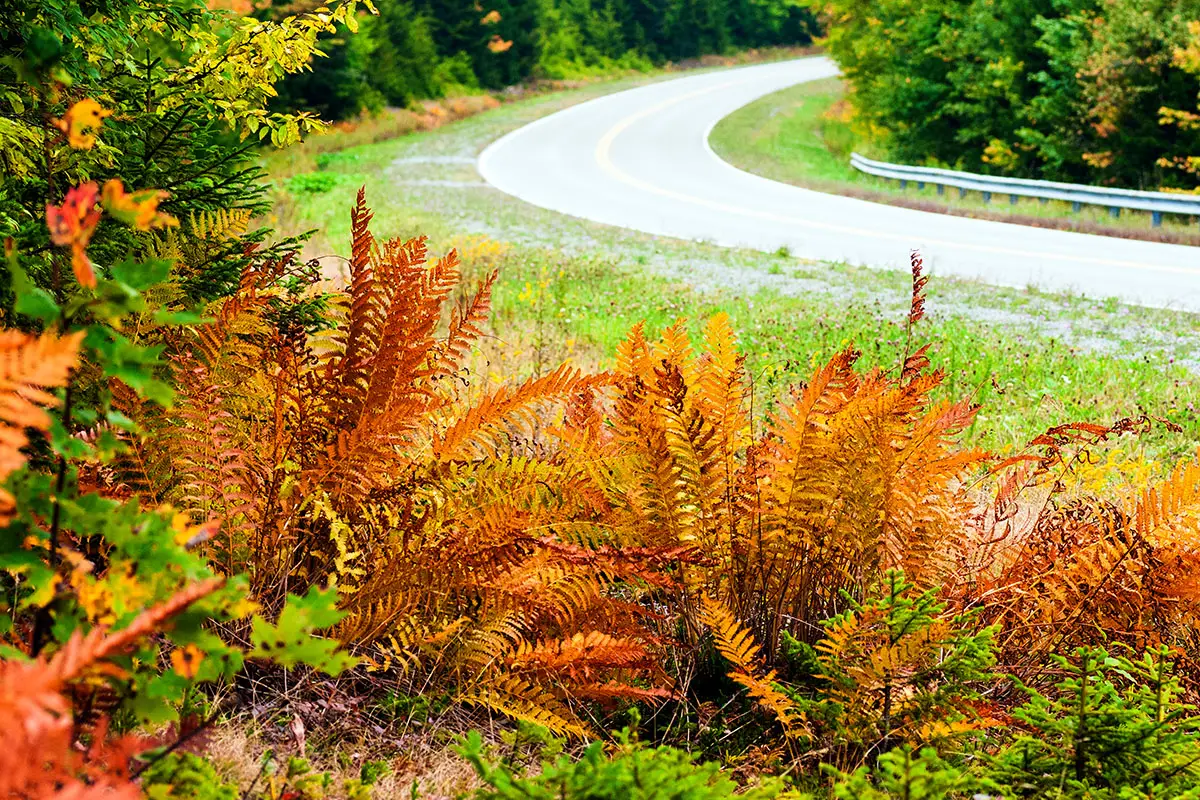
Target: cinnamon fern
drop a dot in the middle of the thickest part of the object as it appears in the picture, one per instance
(856, 474)
(1082, 569)
(29, 367)
(461, 520)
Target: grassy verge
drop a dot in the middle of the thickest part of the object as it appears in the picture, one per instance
(801, 136)
(570, 289)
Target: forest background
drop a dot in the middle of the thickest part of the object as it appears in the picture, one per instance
(422, 49)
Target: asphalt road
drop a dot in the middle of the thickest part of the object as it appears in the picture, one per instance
(640, 159)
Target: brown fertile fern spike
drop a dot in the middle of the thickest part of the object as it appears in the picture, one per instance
(912, 365)
(916, 311)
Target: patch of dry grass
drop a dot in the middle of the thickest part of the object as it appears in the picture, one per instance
(239, 749)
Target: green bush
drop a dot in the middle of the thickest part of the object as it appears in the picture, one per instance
(183, 776)
(631, 772)
(312, 183)
(1112, 727)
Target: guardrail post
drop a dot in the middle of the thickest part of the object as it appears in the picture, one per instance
(1156, 219)
(941, 190)
(920, 184)
(987, 197)
(1012, 199)
(903, 184)
(962, 192)
(1114, 212)
(1043, 200)
(1076, 206)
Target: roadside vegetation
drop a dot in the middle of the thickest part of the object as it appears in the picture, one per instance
(805, 135)
(1101, 93)
(571, 289)
(533, 508)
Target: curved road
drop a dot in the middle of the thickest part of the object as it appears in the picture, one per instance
(640, 159)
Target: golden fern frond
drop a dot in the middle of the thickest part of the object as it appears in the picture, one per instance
(219, 225)
(29, 365)
(472, 433)
(674, 347)
(346, 365)
(385, 615)
(581, 657)
(488, 645)
(1171, 508)
(633, 355)
(616, 690)
(721, 385)
(465, 322)
(733, 641)
(736, 644)
(518, 699)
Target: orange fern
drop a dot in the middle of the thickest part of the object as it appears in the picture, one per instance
(29, 365)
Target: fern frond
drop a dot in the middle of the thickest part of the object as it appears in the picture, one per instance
(1172, 508)
(465, 326)
(615, 690)
(516, 698)
(473, 431)
(736, 644)
(581, 657)
(29, 365)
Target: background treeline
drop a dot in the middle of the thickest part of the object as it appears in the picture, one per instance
(1074, 90)
(420, 49)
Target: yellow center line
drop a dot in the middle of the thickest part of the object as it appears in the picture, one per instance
(604, 159)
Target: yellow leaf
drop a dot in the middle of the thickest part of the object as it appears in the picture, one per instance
(81, 122)
(186, 660)
(139, 209)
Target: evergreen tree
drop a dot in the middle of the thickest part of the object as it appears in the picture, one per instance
(177, 95)
(418, 47)
(404, 56)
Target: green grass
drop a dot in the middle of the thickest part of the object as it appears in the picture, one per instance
(799, 136)
(571, 289)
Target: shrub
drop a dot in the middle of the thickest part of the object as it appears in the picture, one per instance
(312, 183)
(1111, 724)
(632, 772)
(163, 94)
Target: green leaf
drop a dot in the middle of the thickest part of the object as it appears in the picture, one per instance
(293, 641)
(31, 301)
(165, 316)
(131, 363)
(141, 275)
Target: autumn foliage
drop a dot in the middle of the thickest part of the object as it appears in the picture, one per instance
(226, 476)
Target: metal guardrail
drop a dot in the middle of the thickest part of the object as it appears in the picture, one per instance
(1157, 203)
